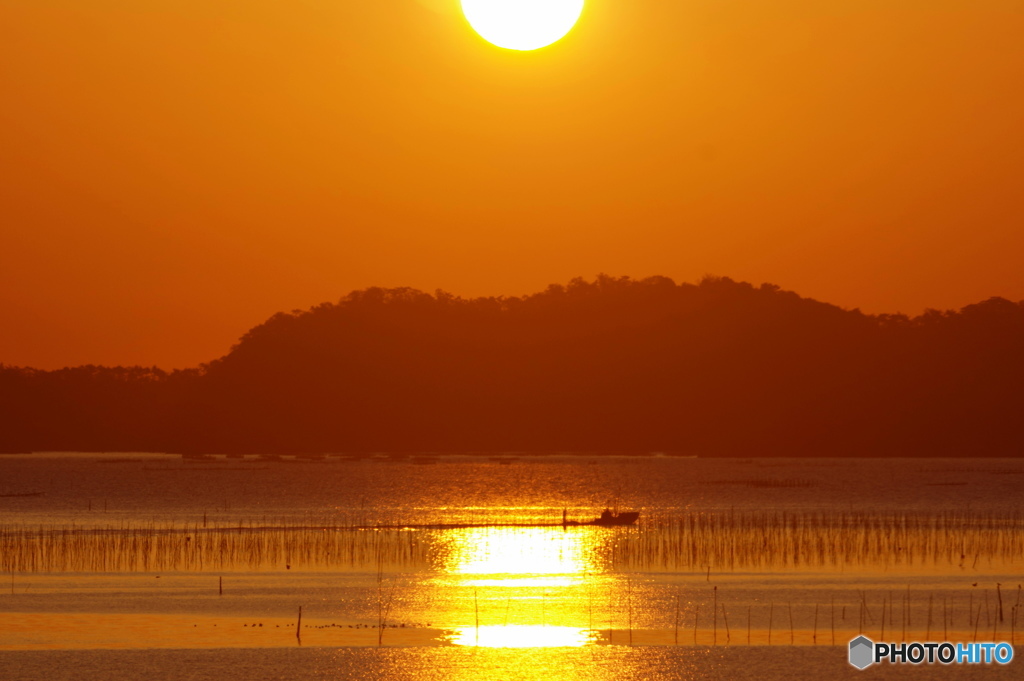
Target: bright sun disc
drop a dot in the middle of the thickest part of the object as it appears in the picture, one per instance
(522, 24)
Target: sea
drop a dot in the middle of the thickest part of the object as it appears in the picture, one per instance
(440, 566)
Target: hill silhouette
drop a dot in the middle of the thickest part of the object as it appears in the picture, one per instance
(718, 368)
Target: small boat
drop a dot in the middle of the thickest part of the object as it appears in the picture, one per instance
(607, 519)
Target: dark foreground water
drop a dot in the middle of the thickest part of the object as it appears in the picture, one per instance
(446, 664)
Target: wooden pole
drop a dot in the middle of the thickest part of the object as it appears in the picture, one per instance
(696, 620)
(298, 627)
(714, 628)
(814, 636)
(677, 619)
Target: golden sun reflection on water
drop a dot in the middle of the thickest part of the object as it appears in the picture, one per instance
(519, 636)
(509, 554)
(521, 587)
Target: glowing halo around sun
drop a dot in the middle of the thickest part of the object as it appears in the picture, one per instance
(522, 24)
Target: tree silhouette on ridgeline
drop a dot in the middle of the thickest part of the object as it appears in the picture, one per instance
(718, 368)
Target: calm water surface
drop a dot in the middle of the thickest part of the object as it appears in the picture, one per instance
(148, 566)
(460, 489)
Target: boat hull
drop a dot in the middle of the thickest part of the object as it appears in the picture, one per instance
(628, 518)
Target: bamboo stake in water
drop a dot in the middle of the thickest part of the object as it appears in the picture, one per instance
(999, 595)
(677, 619)
(814, 636)
(725, 616)
(298, 627)
(220, 586)
(771, 613)
(833, 615)
(748, 625)
(1013, 627)
(792, 633)
(714, 609)
(869, 618)
(1016, 609)
(696, 620)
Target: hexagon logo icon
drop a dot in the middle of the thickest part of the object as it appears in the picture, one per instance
(862, 651)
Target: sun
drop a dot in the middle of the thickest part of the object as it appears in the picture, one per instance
(522, 24)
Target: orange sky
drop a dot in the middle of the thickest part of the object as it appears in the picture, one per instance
(172, 172)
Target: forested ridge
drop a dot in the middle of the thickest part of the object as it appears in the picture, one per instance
(717, 368)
